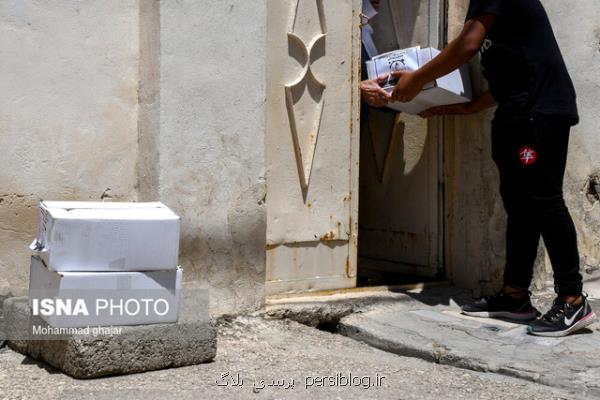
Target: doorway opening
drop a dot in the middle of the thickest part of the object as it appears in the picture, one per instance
(401, 202)
(316, 197)
(400, 229)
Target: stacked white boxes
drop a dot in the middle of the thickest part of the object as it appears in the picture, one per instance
(453, 88)
(101, 264)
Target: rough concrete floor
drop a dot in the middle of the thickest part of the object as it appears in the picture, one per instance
(257, 348)
(427, 324)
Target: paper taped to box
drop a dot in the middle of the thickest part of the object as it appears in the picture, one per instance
(453, 88)
(81, 299)
(93, 236)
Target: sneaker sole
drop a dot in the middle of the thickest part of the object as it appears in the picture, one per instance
(525, 316)
(582, 323)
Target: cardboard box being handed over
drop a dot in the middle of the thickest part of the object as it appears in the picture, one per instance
(453, 88)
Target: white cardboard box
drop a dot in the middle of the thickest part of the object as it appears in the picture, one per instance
(110, 298)
(93, 236)
(453, 88)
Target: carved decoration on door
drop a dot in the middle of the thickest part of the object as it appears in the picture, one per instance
(304, 96)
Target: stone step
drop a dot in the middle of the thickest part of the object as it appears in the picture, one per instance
(124, 350)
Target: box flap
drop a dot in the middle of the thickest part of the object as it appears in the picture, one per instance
(100, 210)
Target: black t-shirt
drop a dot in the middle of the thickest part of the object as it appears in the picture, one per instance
(522, 61)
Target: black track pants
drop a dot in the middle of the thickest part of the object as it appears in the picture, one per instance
(531, 155)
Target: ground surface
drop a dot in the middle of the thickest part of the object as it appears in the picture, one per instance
(430, 326)
(259, 349)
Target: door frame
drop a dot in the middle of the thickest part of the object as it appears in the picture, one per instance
(436, 126)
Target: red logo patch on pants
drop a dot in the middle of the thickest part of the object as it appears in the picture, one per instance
(527, 155)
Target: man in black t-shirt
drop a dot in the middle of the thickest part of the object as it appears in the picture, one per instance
(529, 82)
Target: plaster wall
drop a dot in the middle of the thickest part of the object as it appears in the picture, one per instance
(211, 143)
(475, 219)
(152, 100)
(68, 113)
(577, 28)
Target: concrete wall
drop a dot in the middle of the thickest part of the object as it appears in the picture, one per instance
(152, 99)
(68, 113)
(577, 28)
(212, 124)
(475, 218)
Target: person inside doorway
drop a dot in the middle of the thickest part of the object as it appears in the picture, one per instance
(529, 82)
(371, 91)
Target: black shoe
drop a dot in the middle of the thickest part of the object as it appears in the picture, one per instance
(563, 319)
(501, 305)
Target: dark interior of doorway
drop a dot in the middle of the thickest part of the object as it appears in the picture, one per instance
(380, 277)
(401, 204)
(397, 242)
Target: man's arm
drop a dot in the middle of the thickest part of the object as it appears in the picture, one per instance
(457, 53)
(486, 100)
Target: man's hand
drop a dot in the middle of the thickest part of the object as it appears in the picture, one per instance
(408, 86)
(373, 94)
(451, 109)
